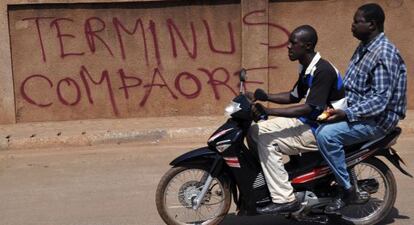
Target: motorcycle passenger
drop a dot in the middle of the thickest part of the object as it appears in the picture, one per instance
(291, 132)
(375, 87)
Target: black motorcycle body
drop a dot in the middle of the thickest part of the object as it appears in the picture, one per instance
(227, 158)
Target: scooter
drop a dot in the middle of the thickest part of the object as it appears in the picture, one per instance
(199, 187)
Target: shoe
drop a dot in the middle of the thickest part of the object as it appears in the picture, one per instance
(347, 197)
(351, 196)
(275, 208)
(334, 207)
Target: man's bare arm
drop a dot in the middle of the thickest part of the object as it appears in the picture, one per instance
(282, 98)
(293, 111)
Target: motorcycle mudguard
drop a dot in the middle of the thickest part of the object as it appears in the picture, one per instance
(392, 155)
(203, 153)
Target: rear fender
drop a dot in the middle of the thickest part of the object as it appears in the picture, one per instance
(392, 155)
(200, 154)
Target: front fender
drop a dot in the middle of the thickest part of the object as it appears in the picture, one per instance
(203, 153)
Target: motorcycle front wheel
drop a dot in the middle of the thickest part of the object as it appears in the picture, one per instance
(376, 178)
(180, 186)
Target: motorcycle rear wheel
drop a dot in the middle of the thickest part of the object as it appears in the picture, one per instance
(381, 202)
(180, 185)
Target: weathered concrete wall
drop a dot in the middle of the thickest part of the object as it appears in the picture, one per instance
(80, 61)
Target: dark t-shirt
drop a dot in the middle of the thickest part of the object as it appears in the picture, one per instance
(319, 88)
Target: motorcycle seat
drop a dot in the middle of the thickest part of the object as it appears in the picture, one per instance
(305, 162)
(376, 143)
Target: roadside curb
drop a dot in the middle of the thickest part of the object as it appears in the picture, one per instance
(119, 137)
(85, 133)
(117, 131)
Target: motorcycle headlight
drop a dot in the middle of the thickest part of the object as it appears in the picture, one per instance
(232, 108)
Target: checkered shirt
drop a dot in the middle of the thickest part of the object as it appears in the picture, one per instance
(376, 84)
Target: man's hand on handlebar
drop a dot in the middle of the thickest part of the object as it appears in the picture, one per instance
(259, 112)
(258, 95)
(261, 95)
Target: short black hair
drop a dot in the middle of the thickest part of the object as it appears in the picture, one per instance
(374, 12)
(310, 34)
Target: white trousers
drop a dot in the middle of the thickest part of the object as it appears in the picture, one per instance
(275, 137)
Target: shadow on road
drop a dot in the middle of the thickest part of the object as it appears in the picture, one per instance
(393, 216)
(232, 219)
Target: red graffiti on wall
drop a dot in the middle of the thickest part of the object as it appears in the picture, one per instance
(94, 29)
(39, 33)
(119, 27)
(56, 23)
(218, 80)
(187, 84)
(247, 21)
(92, 35)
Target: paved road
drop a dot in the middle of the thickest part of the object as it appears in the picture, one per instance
(115, 185)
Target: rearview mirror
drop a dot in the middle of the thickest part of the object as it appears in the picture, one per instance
(243, 75)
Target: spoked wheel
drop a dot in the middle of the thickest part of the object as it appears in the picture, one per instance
(377, 179)
(176, 193)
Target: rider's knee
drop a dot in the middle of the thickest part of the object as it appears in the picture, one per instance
(322, 134)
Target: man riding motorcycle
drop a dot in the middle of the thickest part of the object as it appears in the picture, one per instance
(376, 86)
(291, 133)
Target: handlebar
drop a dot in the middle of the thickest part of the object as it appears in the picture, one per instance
(257, 111)
(242, 77)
